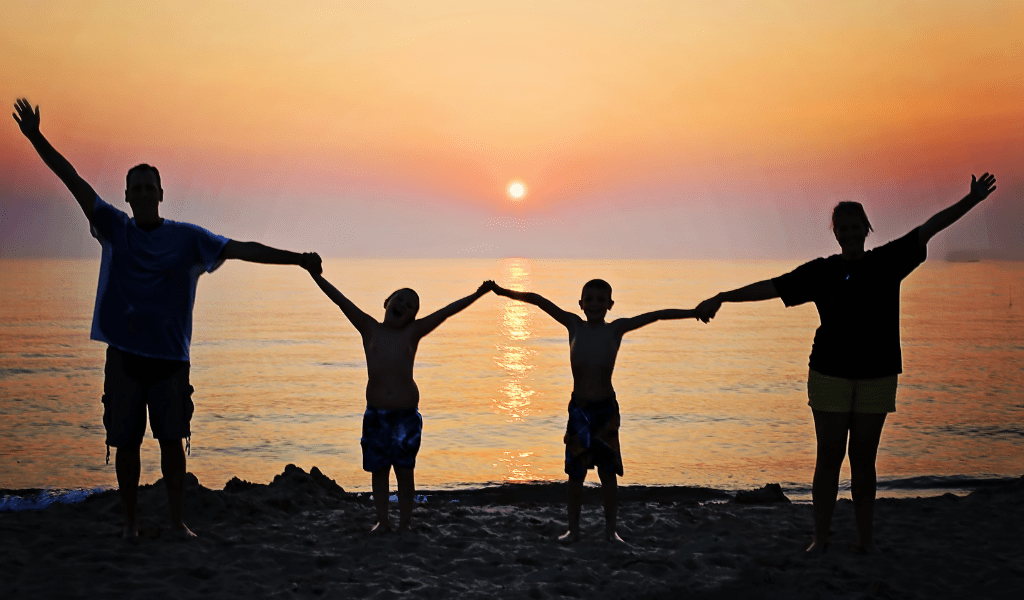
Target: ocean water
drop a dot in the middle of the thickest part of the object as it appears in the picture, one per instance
(280, 376)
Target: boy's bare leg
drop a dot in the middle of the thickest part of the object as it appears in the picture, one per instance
(610, 493)
(172, 464)
(575, 505)
(128, 466)
(406, 493)
(830, 430)
(381, 493)
(865, 432)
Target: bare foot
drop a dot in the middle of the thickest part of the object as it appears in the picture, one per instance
(381, 527)
(569, 537)
(613, 537)
(182, 532)
(868, 548)
(817, 548)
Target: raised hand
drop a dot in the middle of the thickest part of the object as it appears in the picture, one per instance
(981, 188)
(487, 286)
(27, 119)
(707, 309)
(312, 262)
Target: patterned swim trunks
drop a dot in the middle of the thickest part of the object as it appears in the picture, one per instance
(592, 438)
(390, 438)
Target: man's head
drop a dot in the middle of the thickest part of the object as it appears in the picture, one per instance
(401, 307)
(596, 298)
(142, 185)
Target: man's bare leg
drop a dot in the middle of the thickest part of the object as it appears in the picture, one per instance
(830, 429)
(172, 464)
(128, 466)
(381, 492)
(574, 506)
(610, 494)
(865, 433)
(406, 494)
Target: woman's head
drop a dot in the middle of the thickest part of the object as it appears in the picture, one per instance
(850, 225)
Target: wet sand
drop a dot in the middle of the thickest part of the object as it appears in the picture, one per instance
(302, 536)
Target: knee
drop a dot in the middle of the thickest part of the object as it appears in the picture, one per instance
(831, 455)
(172, 445)
(132, 451)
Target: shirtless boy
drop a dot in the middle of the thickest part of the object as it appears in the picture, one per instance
(392, 424)
(592, 435)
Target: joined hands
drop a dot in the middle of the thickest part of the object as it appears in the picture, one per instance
(312, 262)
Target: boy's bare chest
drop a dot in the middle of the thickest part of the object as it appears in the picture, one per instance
(387, 344)
(594, 346)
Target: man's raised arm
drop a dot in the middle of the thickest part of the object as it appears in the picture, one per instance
(28, 121)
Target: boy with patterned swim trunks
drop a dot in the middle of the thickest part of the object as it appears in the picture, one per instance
(392, 425)
(592, 433)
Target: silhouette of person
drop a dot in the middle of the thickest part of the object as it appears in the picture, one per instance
(148, 274)
(856, 358)
(592, 432)
(392, 425)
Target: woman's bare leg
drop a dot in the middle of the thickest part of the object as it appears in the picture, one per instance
(865, 433)
(830, 429)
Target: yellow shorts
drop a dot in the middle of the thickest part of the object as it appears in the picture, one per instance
(838, 394)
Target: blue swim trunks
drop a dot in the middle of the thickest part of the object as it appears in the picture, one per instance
(390, 438)
(592, 438)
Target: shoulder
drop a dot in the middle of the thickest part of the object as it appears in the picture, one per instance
(908, 243)
(812, 268)
(104, 208)
(193, 230)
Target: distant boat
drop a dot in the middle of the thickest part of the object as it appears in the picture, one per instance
(962, 256)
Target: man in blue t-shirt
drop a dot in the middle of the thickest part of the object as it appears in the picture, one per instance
(144, 299)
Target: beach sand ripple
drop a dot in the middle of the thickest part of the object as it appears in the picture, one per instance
(303, 536)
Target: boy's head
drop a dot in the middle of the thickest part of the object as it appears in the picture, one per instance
(401, 307)
(596, 298)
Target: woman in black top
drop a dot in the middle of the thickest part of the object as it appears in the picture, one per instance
(856, 357)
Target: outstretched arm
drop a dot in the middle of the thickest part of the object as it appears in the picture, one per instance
(360, 320)
(980, 189)
(762, 290)
(626, 325)
(28, 121)
(258, 253)
(563, 317)
(431, 321)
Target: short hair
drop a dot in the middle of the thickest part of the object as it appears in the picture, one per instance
(142, 167)
(392, 295)
(848, 207)
(600, 284)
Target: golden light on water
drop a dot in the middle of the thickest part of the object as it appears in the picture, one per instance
(518, 464)
(515, 324)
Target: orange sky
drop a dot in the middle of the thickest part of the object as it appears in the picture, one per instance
(671, 128)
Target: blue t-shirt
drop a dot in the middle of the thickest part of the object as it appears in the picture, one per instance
(858, 302)
(147, 283)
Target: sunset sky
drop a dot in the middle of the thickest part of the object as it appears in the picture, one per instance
(659, 129)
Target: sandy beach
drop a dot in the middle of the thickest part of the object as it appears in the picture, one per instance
(303, 536)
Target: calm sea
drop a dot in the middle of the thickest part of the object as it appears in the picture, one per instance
(279, 376)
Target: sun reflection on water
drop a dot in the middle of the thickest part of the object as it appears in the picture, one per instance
(515, 398)
(519, 466)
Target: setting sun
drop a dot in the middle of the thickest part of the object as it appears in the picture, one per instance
(516, 190)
